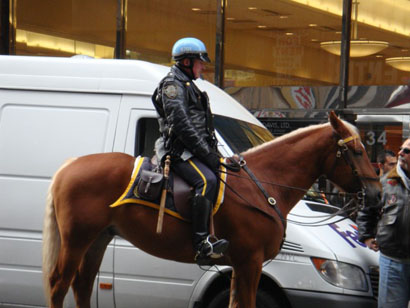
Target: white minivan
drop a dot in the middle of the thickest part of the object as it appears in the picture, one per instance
(55, 108)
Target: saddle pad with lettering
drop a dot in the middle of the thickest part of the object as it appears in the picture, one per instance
(129, 197)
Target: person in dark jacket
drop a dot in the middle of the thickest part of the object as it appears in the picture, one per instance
(386, 161)
(386, 227)
(187, 134)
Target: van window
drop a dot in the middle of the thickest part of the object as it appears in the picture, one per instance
(241, 135)
(147, 132)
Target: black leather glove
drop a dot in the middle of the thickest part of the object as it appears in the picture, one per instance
(212, 161)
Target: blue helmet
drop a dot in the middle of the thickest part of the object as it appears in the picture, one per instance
(189, 47)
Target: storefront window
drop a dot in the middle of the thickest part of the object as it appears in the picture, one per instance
(153, 26)
(66, 27)
(277, 43)
(285, 55)
(280, 60)
(387, 24)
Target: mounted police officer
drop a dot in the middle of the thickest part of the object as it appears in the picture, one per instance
(187, 134)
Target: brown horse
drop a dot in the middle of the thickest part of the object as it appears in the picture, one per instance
(79, 222)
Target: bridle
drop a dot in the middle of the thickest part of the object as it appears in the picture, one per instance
(343, 151)
(347, 154)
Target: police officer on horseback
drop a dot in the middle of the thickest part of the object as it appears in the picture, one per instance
(187, 134)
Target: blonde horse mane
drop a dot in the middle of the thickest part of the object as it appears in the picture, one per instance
(284, 138)
(304, 130)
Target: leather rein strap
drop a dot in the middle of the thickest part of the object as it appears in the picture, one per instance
(271, 201)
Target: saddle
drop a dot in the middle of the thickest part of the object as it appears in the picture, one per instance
(145, 189)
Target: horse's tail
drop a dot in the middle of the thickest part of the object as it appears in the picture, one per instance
(51, 236)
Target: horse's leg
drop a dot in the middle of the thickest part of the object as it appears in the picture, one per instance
(71, 255)
(232, 294)
(84, 278)
(68, 261)
(247, 277)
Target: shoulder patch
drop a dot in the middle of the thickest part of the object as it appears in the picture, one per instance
(392, 182)
(170, 91)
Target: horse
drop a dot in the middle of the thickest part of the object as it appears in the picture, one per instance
(79, 223)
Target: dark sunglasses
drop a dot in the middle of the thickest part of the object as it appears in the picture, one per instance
(405, 150)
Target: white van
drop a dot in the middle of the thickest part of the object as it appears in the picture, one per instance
(55, 108)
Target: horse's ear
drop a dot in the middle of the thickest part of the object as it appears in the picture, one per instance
(336, 123)
(334, 120)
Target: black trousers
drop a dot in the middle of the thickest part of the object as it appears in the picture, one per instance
(199, 176)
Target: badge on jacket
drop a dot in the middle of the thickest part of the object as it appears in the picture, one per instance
(393, 199)
(170, 91)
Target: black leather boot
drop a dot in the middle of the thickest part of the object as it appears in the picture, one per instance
(206, 247)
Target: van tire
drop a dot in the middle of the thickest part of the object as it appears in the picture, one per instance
(263, 300)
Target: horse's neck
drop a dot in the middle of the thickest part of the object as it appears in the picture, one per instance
(291, 161)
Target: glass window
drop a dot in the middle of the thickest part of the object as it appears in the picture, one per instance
(153, 26)
(240, 135)
(146, 135)
(278, 43)
(66, 27)
(383, 30)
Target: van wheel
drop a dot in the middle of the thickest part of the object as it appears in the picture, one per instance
(263, 300)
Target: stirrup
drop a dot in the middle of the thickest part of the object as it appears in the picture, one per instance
(211, 250)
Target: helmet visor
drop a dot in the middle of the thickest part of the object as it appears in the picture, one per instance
(204, 57)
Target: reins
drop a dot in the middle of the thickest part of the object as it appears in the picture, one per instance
(342, 151)
(342, 194)
(341, 212)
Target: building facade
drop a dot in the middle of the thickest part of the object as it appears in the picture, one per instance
(279, 58)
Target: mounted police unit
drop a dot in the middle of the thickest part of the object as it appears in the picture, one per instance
(187, 134)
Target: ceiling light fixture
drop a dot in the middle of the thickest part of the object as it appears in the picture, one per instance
(358, 48)
(400, 63)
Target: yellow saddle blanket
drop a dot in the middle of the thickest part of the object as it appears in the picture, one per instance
(130, 197)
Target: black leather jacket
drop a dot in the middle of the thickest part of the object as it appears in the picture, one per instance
(185, 118)
(388, 221)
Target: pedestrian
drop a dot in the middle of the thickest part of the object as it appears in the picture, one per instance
(386, 227)
(187, 135)
(386, 161)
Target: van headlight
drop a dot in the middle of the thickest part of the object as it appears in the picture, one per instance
(341, 274)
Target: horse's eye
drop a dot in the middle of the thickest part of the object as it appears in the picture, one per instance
(358, 152)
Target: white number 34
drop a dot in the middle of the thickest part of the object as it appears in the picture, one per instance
(371, 138)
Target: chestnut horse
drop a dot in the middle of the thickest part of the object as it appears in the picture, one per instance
(79, 223)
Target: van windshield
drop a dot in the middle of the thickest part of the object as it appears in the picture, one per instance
(240, 135)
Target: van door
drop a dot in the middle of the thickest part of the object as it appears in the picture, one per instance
(137, 114)
(39, 130)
